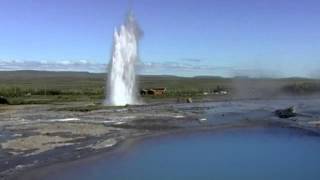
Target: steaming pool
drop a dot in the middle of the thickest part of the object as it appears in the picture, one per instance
(250, 153)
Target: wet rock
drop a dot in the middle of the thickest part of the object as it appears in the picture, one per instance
(189, 100)
(184, 100)
(105, 144)
(286, 113)
(35, 144)
(3, 100)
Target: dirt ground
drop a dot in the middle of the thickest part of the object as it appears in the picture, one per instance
(36, 135)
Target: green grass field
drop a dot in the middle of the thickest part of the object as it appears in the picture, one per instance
(38, 87)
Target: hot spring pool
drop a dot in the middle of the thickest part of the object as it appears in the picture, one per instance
(250, 154)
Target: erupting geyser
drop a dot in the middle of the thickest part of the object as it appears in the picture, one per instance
(122, 67)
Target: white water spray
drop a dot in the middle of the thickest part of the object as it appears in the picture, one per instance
(122, 67)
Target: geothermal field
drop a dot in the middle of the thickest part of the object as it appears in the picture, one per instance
(149, 111)
(45, 133)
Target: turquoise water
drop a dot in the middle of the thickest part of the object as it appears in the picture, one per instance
(249, 154)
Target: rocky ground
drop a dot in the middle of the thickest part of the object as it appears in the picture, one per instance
(37, 135)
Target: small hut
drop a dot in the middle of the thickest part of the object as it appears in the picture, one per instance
(153, 91)
(157, 91)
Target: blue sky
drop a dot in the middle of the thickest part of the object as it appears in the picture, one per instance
(182, 37)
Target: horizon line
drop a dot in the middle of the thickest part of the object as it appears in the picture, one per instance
(142, 74)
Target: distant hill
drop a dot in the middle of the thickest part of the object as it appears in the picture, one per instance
(85, 80)
(36, 86)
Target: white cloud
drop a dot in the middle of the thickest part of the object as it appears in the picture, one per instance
(183, 68)
(82, 65)
(180, 68)
(195, 60)
(169, 67)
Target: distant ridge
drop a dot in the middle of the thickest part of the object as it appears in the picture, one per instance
(85, 73)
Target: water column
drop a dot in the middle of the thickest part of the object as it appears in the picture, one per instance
(121, 85)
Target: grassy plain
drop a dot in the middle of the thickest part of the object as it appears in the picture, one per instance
(40, 87)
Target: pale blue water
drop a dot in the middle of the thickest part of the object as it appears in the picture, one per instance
(248, 154)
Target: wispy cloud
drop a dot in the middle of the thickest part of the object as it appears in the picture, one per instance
(64, 65)
(180, 68)
(168, 67)
(193, 60)
(256, 72)
(183, 68)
